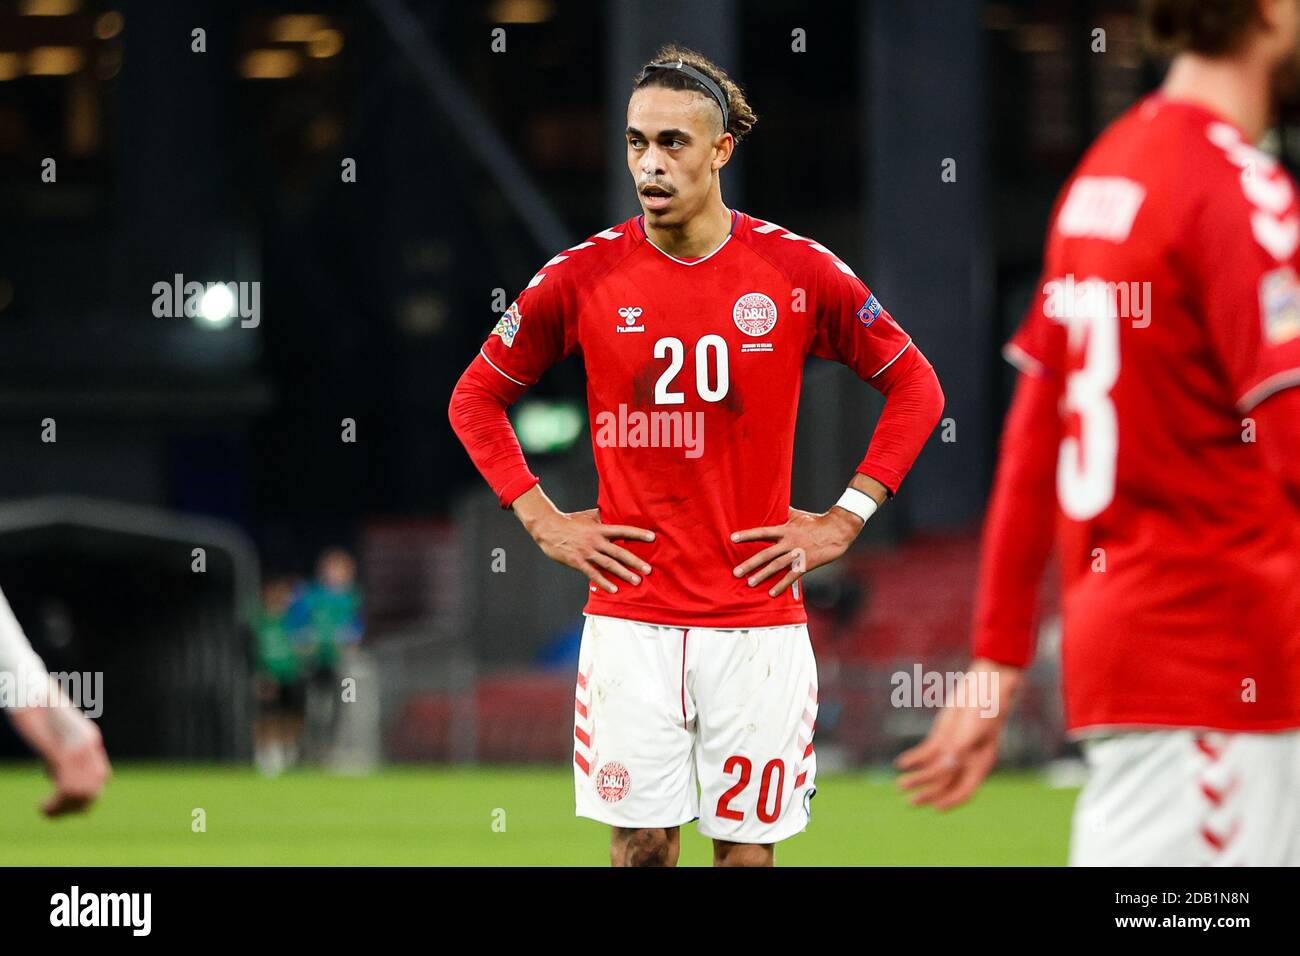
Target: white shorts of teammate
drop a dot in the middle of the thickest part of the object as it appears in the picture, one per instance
(673, 725)
(1189, 798)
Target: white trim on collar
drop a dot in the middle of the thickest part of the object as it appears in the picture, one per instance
(734, 222)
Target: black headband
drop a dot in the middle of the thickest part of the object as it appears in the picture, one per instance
(710, 87)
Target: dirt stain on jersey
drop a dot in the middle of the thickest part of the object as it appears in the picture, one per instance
(733, 402)
(643, 386)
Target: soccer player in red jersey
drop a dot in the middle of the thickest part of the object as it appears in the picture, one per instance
(1154, 437)
(697, 688)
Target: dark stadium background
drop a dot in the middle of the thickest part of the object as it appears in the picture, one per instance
(473, 167)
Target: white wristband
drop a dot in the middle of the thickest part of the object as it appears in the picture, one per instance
(858, 502)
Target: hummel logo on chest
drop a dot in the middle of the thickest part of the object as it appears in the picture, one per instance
(629, 315)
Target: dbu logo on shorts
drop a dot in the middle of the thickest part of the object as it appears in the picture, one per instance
(613, 782)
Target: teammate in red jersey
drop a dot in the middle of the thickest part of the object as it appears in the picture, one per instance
(697, 689)
(1153, 436)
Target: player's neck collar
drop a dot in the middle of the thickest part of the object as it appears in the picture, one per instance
(735, 217)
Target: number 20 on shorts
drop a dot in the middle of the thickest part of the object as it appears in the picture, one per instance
(773, 769)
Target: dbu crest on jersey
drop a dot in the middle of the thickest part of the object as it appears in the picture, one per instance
(870, 311)
(754, 314)
(1279, 305)
(508, 325)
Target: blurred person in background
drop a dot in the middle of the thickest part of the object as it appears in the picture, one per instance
(279, 680)
(66, 740)
(326, 617)
(1159, 453)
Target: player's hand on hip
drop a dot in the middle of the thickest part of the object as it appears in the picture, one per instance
(946, 768)
(581, 541)
(804, 542)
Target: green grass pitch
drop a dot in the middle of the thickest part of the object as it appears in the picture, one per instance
(445, 816)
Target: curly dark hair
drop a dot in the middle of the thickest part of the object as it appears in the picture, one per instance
(742, 118)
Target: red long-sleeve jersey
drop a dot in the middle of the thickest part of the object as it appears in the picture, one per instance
(693, 376)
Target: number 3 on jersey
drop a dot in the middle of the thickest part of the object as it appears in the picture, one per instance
(1085, 468)
(675, 351)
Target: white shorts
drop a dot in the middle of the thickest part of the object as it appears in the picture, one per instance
(672, 725)
(1189, 798)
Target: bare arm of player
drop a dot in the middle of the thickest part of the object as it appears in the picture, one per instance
(62, 735)
(960, 751)
(913, 404)
(579, 540)
(73, 751)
